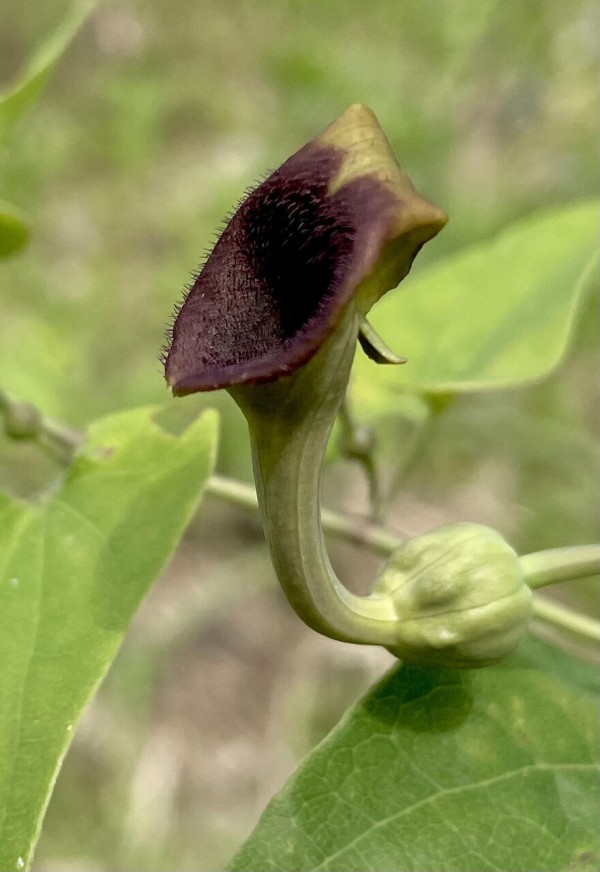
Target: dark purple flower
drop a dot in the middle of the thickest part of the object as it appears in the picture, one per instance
(339, 220)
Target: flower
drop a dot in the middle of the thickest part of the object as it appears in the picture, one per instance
(338, 221)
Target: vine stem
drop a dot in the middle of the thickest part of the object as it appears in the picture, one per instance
(561, 564)
(358, 443)
(540, 568)
(566, 619)
(568, 563)
(25, 422)
(355, 531)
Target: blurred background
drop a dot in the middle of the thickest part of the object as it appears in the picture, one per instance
(158, 117)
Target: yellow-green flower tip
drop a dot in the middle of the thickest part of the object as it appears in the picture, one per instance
(410, 219)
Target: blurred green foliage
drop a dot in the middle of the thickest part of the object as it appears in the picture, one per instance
(13, 231)
(154, 123)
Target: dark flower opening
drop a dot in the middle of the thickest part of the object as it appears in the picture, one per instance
(281, 273)
(295, 247)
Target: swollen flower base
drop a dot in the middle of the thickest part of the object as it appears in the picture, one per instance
(274, 316)
(460, 596)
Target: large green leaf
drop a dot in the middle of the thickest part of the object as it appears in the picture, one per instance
(13, 230)
(498, 314)
(72, 573)
(450, 771)
(14, 102)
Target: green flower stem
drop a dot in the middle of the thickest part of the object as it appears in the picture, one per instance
(289, 422)
(358, 443)
(566, 619)
(561, 564)
(356, 531)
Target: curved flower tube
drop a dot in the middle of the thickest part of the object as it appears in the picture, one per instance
(273, 316)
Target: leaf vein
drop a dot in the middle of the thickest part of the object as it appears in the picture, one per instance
(448, 792)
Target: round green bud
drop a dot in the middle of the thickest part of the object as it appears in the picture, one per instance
(460, 597)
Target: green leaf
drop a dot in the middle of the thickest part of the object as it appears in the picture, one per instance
(72, 573)
(14, 233)
(15, 101)
(498, 314)
(451, 771)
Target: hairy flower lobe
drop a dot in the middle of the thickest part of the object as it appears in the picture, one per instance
(338, 219)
